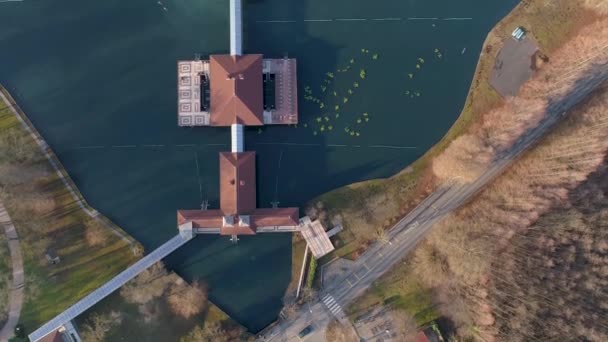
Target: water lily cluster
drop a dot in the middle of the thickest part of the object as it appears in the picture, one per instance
(333, 101)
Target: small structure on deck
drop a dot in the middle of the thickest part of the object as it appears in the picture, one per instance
(514, 64)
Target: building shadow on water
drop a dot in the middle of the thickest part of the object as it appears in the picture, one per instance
(254, 274)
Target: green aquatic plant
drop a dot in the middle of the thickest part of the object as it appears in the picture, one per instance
(337, 107)
(363, 50)
(436, 50)
(365, 114)
(352, 61)
(357, 134)
(322, 128)
(344, 100)
(359, 120)
(346, 129)
(330, 74)
(337, 115)
(319, 119)
(375, 56)
(410, 75)
(323, 88)
(417, 66)
(322, 105)
(352, 133)
(350, 91)
(314, 133)
(330, 127)
(356, 84)
(421, 60)
(439, 55)
(259, 131)
(362, 74)
(305, 125)
(407, 92)
(326, 118)
(417, 93)
(366, 119)
(335, 93)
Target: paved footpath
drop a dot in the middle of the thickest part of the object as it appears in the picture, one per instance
(17, 285)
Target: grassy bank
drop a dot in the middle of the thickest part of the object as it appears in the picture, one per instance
(401, 291)
(369, 207)
(49, 220)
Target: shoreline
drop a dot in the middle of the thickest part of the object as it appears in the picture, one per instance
(136, 249)
(386, 200)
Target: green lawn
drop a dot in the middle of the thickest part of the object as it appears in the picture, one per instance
(61, 227)
(401, 290)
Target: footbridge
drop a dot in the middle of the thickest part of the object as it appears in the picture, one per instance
(111, 286)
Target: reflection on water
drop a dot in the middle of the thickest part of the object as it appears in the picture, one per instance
(98, 79)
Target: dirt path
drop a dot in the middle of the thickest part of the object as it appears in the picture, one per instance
(17, 285)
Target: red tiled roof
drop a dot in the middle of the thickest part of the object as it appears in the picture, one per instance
(237, 182)
(236, 90)
(269, 217)
(201, 218)
(55, 336)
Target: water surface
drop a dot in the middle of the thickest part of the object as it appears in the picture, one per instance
(98, 79)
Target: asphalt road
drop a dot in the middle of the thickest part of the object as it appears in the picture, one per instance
(405, 235)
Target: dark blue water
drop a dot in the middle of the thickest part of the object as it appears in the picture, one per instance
(96, 77)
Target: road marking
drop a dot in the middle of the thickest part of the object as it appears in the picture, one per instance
(416, 18)
(351, 284)
(123, 146)
(365, 265)
(318, 20)
(356, 276)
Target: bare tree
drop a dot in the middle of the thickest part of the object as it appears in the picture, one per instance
(187, 300)
(95, 233)
(98, 326)
(148, 285)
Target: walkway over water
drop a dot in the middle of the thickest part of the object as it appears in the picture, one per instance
(109, 287)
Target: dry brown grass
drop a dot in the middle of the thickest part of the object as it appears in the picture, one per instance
(187, 300)
(338, 332)
(469, 155)
(459, 257)
(404, 325)
(600, 6)
(95, 233)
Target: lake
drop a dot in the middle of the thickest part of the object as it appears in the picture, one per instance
(98, 80)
